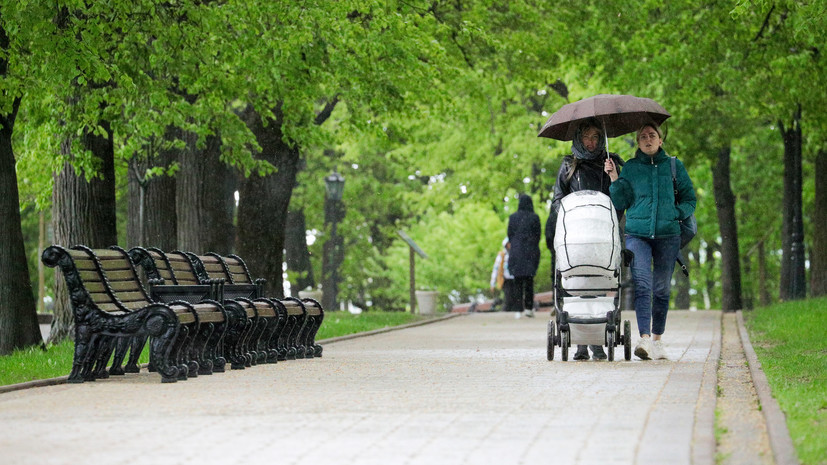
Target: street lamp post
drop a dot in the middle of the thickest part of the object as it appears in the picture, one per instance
(334, 212)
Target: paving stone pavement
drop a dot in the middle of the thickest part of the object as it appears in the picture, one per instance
(475, 389)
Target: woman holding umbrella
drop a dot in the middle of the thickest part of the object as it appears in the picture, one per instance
(654, 206)
(584, 169)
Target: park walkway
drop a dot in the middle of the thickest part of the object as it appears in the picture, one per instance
(474, 389)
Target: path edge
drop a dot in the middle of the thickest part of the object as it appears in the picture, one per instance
(387, 329)
(65, 379)
(781, 443)
(704, 444)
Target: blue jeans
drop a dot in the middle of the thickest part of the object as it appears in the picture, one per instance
(652, 268)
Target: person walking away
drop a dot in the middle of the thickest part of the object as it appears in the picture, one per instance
(524, 258)
(501, 278)
(584, 169)
(654, 207)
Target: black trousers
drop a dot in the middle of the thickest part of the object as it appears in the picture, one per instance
(524, 290)
(512, 300)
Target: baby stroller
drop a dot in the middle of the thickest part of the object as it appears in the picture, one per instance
(587, 277)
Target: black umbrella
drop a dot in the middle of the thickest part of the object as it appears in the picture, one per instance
(619, 114)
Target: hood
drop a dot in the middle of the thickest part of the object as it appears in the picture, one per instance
(526, 204)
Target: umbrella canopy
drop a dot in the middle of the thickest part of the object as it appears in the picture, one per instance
(619, 114)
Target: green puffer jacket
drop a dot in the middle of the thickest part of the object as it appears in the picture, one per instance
(644, 189)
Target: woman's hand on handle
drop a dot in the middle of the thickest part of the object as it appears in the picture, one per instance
(610, 168)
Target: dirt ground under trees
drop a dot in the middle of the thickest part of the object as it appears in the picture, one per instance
(741, 429)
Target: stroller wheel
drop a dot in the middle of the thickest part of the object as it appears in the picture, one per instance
(610, 342)
(565, 340)
(627, 340)
(550, 342)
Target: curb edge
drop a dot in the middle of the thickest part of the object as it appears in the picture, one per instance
(780, 441)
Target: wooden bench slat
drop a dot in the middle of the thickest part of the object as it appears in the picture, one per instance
(100, 297)
(293, 308)
(180, 266)
(85, 264)
(124, 275)
(131, 297)
(110, 307)
(236, 268)
(114, 264)
(240, 279)
(94, 286)
(124, 286)
(90, 277)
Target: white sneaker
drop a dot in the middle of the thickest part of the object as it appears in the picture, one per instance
(643, 349)
(529, 313)
(517, 315)
(658, 352)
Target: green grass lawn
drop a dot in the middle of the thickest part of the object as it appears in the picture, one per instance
(790, 342)
(34, 363)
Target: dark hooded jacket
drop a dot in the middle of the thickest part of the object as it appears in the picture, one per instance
(524, 235)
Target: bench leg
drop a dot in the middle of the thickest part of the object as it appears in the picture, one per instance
(269, 340)
(92, 354)
(107, 346)
(290, 338)
(284, 336)
(205, 364)
(177, 353)
(301, 350)
(164, 329)
(234, 335)
(136, 346)
(213, 351)
(189, 351)
(121, 347)
(82, 343)
(259, 354)
(317, 323)
(247, 341)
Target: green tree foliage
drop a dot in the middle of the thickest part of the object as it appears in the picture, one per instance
(437, 107)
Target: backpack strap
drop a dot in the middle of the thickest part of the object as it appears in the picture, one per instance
(674, 179)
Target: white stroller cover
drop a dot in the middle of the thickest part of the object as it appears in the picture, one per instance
(587, 243)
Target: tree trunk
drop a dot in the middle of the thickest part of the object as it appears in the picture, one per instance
(296, 253)
(136, 205)
(333, 253)
(728, 227)
(711, 281)
(204, 200)
(793, 285)
(18, 316)
(152, 220)
(763, 287)
(83, 212)
(748, 287)
(263, 204)
(818, 255)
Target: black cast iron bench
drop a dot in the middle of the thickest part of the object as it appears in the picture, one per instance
(297, 338)
(112, 312)
(168, 272)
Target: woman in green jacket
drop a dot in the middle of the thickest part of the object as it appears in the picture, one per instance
(653, 212)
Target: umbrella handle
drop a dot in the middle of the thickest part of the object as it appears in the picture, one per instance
(606, 138)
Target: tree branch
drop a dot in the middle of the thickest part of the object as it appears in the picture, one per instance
(326, 111)
(764, 26)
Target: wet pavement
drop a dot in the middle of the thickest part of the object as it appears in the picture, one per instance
(473, 389)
